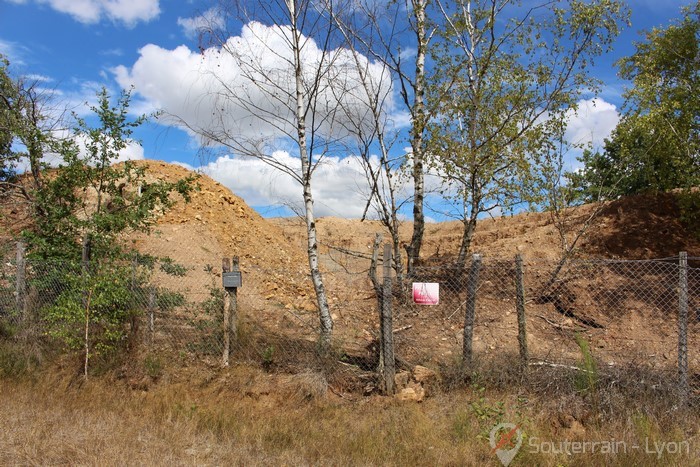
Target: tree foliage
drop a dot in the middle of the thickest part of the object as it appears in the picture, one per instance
(83, 203)
(508, 76)
(7, 95)
(26, 130)
(89, 195)
(87, 204)
(656, 145)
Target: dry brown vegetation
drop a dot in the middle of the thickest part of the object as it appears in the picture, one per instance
(239, 416)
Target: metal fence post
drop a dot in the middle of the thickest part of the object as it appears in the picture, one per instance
(472, 285)
(683, 326)
(386, 325)
(520, 308)
(151, 314)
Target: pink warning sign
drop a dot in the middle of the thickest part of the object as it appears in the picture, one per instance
(426, 293)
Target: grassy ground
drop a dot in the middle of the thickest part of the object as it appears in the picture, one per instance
(242, 416)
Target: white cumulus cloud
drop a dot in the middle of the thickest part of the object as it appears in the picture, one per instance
(339, 187)
(128, 12)
(588, 127)
(592, 123)
(246, 88)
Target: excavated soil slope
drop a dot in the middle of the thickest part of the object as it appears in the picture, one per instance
(216, 223)
(628, 312)
(634, 227)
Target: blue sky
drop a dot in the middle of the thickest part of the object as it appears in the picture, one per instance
(77, 46)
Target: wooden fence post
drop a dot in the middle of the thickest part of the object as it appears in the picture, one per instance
(87, 295)
(87, 250)
(136, 294)
(21, 282)
(226, 267)
(230, 308)
(472, 286)
(683, 326)
(520, 308)
(386, 325)
(151, 314)
(233, 301)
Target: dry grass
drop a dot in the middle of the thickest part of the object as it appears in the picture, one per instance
(243, 416)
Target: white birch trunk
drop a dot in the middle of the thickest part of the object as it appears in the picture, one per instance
(419, 122)
(312, 244)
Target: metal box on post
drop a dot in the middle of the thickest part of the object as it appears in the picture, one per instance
(232, 280)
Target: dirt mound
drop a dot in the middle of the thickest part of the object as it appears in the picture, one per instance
(633, 227)
(215, 223)
(642, 227)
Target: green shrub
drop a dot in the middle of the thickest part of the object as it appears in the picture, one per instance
(168, 300)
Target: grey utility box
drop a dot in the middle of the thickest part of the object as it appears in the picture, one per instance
(232, 280)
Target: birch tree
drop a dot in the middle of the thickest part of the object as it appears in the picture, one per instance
(397, 35)
(419, 119)
(510, 75)
(374, 132)
(284, 95)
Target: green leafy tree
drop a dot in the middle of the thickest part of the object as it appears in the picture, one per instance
(92, 308)
(7, 96)
(88, 195)
(656, 145)
(509, 74)
(82, 210)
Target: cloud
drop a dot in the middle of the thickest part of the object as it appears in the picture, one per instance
(36, 78)
(14, 52)
(246, 88)
(132, 151)
(592, 123)
(115, 52)
(79, 98)
(210, 20)
(339, 187)
(128, 12)
(200, 88)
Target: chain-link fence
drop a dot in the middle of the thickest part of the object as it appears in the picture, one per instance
(590, 324)
(577, 326)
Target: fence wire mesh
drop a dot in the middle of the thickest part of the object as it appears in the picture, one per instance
(621, 316)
